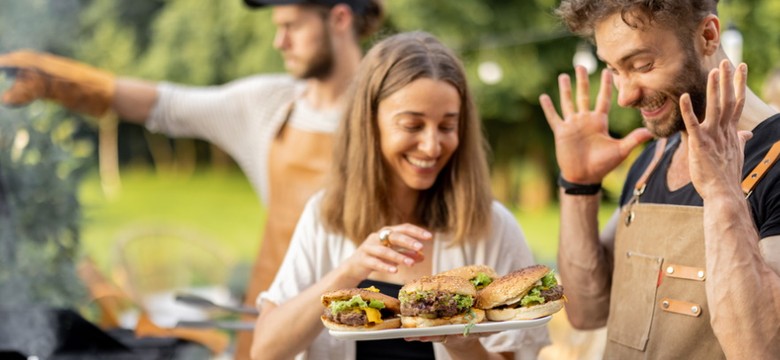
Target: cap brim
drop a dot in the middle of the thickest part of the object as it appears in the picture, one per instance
(263, 3)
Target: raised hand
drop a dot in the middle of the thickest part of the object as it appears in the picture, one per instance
(585, 151)
(715, 147)
(402, 245)
(77, 86)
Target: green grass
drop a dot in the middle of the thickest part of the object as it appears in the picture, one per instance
(541, 230)
(222, 207)
(219, 206)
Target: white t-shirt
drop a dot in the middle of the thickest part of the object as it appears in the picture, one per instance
(240, 117)
(314, 252)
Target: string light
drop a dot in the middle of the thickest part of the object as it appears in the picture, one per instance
(490, 72)
(584, 57)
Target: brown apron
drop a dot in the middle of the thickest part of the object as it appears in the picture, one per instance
(297, 165)
(659, 307)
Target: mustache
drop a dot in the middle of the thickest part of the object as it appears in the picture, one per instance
(652, 101)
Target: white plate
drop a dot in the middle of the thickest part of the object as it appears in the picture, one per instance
(488, 326)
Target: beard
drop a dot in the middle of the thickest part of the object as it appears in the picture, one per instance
(320, 65)
(691, 79)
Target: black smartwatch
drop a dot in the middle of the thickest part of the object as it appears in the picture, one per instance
(578, 189)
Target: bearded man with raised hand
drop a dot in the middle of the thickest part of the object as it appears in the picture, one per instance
(688, 266)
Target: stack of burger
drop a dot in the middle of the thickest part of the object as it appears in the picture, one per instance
(465, 295)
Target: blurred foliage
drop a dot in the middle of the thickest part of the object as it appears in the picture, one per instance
(43, 155)
(42, 160)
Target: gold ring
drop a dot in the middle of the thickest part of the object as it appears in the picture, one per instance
(384, 236)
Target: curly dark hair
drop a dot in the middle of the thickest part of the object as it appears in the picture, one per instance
(581, 16)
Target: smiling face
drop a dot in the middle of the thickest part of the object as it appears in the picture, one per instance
(303, 39)
(652, 69)
(418, 132)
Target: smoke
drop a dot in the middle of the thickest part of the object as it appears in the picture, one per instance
(39, 212)
(39, 24)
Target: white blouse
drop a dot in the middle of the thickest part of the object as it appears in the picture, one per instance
(314, 252)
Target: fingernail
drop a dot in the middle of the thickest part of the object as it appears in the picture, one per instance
(409, 262)
(418, 246)
(392, 269)
(427, 234)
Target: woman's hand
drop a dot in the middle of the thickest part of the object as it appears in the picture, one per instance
(400, 245)
(585, 151)
(452, 340)
(464, 347)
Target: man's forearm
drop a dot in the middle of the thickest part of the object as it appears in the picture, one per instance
(134, 99)
(743, 292)
(582, 263)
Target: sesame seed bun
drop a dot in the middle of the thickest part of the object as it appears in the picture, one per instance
(511, 287)
(450, 284)
(469, 272)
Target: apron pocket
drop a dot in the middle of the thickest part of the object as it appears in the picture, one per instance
(632, 301)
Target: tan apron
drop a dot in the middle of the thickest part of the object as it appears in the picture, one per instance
(659, 307)
(297, 165)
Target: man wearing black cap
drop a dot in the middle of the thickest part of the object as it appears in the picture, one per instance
(277, 127)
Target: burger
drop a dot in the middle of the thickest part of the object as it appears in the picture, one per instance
(359, 310)
(478, 275)
(524, 294)
(438, 300)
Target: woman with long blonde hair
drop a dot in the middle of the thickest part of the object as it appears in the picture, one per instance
(408, 196)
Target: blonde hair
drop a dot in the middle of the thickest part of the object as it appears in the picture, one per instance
(356, 201)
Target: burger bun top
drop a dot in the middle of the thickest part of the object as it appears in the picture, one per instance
(469, 272)
(511, 287)
(442, 283)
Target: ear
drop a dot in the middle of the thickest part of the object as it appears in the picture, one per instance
(341, 18)
(709, 34)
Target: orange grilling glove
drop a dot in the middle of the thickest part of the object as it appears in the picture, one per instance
(77, 86)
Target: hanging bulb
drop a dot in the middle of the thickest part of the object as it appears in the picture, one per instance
(584, 57)
(490, 72)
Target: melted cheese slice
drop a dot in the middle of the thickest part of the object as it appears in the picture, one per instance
(373, 315)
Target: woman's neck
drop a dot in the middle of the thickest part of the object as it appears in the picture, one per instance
(403, 204)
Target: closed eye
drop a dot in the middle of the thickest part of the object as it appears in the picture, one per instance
(645, 68)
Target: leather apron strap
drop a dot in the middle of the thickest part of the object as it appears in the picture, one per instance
(760, 170)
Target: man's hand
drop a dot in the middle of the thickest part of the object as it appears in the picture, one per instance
(585, 151)
(715, 147)
(77, 86)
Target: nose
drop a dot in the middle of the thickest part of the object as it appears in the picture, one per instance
(628, 91)
(430, 144)
(281, 39)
